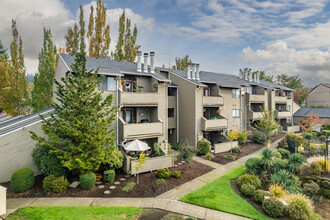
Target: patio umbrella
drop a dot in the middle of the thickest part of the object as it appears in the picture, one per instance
(136, 145)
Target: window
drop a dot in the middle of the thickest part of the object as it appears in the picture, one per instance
(235, 113)
(235, 93)
(254, 90)
(171, 112)
(206, 92)
(288, 107)
(108, 84)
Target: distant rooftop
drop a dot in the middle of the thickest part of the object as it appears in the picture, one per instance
(305, 112)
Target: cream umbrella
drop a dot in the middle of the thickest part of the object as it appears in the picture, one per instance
(136, 145)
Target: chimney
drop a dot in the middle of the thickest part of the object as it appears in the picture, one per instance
(250, 75)
(257, 76)
(188, 71)
(139, 54)
(193, 71)
(152, 62)
(246, 73)
(145, 62)
(240, 75)
(197, 71)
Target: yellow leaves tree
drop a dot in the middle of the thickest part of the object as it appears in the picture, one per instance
(142, 159)
(233, 136)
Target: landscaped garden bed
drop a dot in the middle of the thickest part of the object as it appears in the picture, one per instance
(147, 186)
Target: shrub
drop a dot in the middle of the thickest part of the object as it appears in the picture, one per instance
(277, 154)
(326, 193)
(128, 187)
(176, 174)
(295, 162)
(22, 180)
(55, 184)
(273, 207)
(161, 181)
(203, 147)
(276, 191)
(283, 178)
(157, 150)
(326, 133)
(163, 173)
(299, 207)
(242, 136)
(47, 163)
(208, 156)
(248, 189)
(259, 195)
(280, 164)
(109, 176)
(236, 150)
(315, 168)
(230, 157)
(253, 166)
(311, 189)
(249, 179)
(176, 146)
(297, 140)
(87, 180)
(268, 159)
(259, 137)
(285, 153)
(187, 153)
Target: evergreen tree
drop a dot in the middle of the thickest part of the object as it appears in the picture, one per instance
(78, 129)
(98, 33)
(42, 94)
(72, 40)
(181, 63)
(3, 51)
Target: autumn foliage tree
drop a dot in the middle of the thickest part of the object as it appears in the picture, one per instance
(72, 40)
(311, 122)
(181, 63)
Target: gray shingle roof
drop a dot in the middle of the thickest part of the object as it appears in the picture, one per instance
(305, 112)
(107, 66)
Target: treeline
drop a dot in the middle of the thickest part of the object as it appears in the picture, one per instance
(17, 97)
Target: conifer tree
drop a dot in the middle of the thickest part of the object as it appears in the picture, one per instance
(78, 129)
(42, 94)
(98, 32)
(72, 40)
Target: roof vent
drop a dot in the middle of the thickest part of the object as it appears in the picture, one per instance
(188, 71)
(138, 67)
(152, 62)
(145, 69)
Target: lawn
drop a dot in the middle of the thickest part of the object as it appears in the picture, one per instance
(219, 195)
(66, 213)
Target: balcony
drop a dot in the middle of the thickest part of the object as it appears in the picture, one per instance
(280, 98)
(214, 125)
(254, 115)
(282, 114)
(257, 97)
(140, 130)
(138, 98)
(212, 100)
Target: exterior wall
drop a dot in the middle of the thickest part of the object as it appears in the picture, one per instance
(199, 114)
(224, 147)
(319, 96)
(16, 150)
(294, 128)
(60, 71)
(230, 103)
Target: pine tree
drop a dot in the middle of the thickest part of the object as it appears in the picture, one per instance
(72, 40)
(181, 63)
(42, 94)
(3, 51)
(98, 33)
(78, 129)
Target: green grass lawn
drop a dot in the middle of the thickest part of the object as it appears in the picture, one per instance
(66, 213)
(219, 195)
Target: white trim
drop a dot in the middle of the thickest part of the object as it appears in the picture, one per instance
(65, 63)
(186, 79)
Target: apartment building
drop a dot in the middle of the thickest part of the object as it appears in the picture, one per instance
(143, 97)
(210, 103)
(319, 96)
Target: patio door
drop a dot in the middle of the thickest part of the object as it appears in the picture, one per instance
(127, 86)
(126, 115)
(206, 92)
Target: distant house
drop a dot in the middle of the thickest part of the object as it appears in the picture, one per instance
(302, 113)
(319, 95)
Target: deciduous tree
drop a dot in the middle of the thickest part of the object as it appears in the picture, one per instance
(72, 40)
(3, 51)
(181, 63)
(311, 122)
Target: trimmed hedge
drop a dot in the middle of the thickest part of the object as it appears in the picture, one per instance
(248, 189)
(203, 147)
(55, 184)
(273, 207)
(87, 180)
(109, 176)
(259, 195)
(22, 180)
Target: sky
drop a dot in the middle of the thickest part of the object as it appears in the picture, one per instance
(279, 37)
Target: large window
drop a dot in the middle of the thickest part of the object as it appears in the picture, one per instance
(235, 93)
(108, 84)
(235, 113)
(171, 112)
(288, 107)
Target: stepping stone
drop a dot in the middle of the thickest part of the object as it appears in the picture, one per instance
(183, 161)
(175, 165)
(112, 187)
(128, 176)
(116, 183)
(101, 186)
(74, 184)
(98, 182)
(107, 192)
(179, 164)
(122, 179)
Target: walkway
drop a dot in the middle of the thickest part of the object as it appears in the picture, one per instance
(166, 201)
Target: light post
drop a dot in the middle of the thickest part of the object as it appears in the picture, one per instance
(326, 156)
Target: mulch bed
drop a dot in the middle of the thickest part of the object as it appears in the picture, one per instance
(147, 186)
(245, 150)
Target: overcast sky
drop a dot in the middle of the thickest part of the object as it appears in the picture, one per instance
(291, 37)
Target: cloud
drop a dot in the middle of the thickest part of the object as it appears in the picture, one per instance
(313, 65)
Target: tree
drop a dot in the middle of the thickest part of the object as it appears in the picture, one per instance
(126, 48)
(42, 94)
(98, 33)
(263, 76)
(181, 63)
(3, 51)
(142, 159)
(233, 136)
(300, 96)
(72, 40)
(268, 125)
(77, 132)
(311, 122)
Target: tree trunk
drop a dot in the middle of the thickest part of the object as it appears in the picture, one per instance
(268, 143)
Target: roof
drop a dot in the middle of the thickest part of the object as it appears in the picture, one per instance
(111, 67)
(305, 112)
(4, 117)
(323, 84)
(225, 80)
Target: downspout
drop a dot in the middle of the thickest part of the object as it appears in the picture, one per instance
(241, 109)
(196, 115)
(117, 102)
(177, 115)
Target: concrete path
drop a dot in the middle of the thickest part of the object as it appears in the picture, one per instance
(166, 201)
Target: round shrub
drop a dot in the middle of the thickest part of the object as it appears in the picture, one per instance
(311, 189)
(248, 189)
(259, 195)
(280, 164)
(109, 176)
(47, 163)
(47, 183)
(249, 179)
(276, 191)
(236, 150)
(299, 207)
(161, 181)
(55, 184)
(295, 162)
(273, 207)
(259, 137)
(285, 153)
(315, 168)
(203, 147)
(208, 156)
(277, 154)
(326, 193)
(163, 173)
(176, 174)
(22, 180)
(253, 166)
(87, 180)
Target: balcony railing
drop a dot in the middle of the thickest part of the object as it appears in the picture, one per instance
(280, 98)
(254, 115)
(257, 98)
(282, 114)
(212, 100)
(214, 125)
(138, 98)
